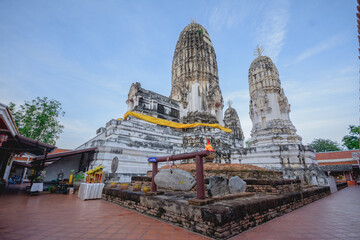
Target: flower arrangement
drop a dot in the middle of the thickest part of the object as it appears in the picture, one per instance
(94, 175)
(95, 170)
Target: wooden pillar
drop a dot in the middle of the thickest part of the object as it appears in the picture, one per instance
(154, 172)
(200, 188)
(81, 161)
(43, 162)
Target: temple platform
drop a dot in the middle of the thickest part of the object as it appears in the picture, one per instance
(220, 219)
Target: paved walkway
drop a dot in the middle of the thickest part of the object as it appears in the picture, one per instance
(334, 217)
(57, 216)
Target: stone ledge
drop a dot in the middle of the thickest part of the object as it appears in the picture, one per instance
(200, 202)
(233, 196)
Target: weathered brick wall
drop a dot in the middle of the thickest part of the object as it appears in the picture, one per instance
(341, 185)
(268, 186)
(243, 174)
(141, 180)
(220, 220)
(273, 186)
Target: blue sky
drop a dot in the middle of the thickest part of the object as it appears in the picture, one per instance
(86, 54)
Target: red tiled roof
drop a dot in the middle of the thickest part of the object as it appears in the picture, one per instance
(24, 159)
(339, 163)
(51, 157)
(335, 155)
(59, 150)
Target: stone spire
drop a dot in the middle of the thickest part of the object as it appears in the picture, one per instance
(269, 107)
(195, 81)
(232, 121)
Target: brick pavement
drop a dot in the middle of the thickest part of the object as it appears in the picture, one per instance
(334, 217)
(57, 216)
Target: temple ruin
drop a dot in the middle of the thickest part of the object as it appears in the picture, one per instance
(196, 98)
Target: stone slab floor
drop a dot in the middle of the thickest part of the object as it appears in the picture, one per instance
(56, 216)
(334, 217)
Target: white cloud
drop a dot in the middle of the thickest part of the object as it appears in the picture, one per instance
(242, 95)
(228, 14)
(317, 112)
(321, 47)
(75, 133)
(271, 33)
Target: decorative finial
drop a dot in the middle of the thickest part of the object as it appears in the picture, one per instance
(229, 102)
(193, 20)
(259, 50)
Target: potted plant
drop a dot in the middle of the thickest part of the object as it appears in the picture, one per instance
(146, 189)
(79, 178)
(136, 187)
(124, 186)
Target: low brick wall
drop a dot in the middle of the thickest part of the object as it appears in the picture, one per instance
(341, 185)
(273, 186)
(221, 219)
(243, 174)
(141, 180)
(268, 186)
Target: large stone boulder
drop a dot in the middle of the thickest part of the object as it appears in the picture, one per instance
(218, 186)
(175, 179)
(237, 185)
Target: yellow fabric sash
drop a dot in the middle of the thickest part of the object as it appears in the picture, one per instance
(167, 123)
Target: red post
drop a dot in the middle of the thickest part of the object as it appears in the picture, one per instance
(154, 172)
(200, 189)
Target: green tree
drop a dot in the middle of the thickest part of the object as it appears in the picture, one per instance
(351, 141)
(325, 145)
(38, 119)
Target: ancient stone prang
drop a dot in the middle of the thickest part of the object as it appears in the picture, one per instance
(274, 143)
(232, 121)
(195, 80)
(269, 107)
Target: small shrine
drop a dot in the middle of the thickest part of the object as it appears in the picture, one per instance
(93, 186)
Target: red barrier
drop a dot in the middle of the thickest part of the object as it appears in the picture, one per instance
(200, 187)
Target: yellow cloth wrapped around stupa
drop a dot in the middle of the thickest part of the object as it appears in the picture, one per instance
(167, 123)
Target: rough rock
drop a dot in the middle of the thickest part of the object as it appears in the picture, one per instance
(236, 185)
(175, 179)
(218, 185)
